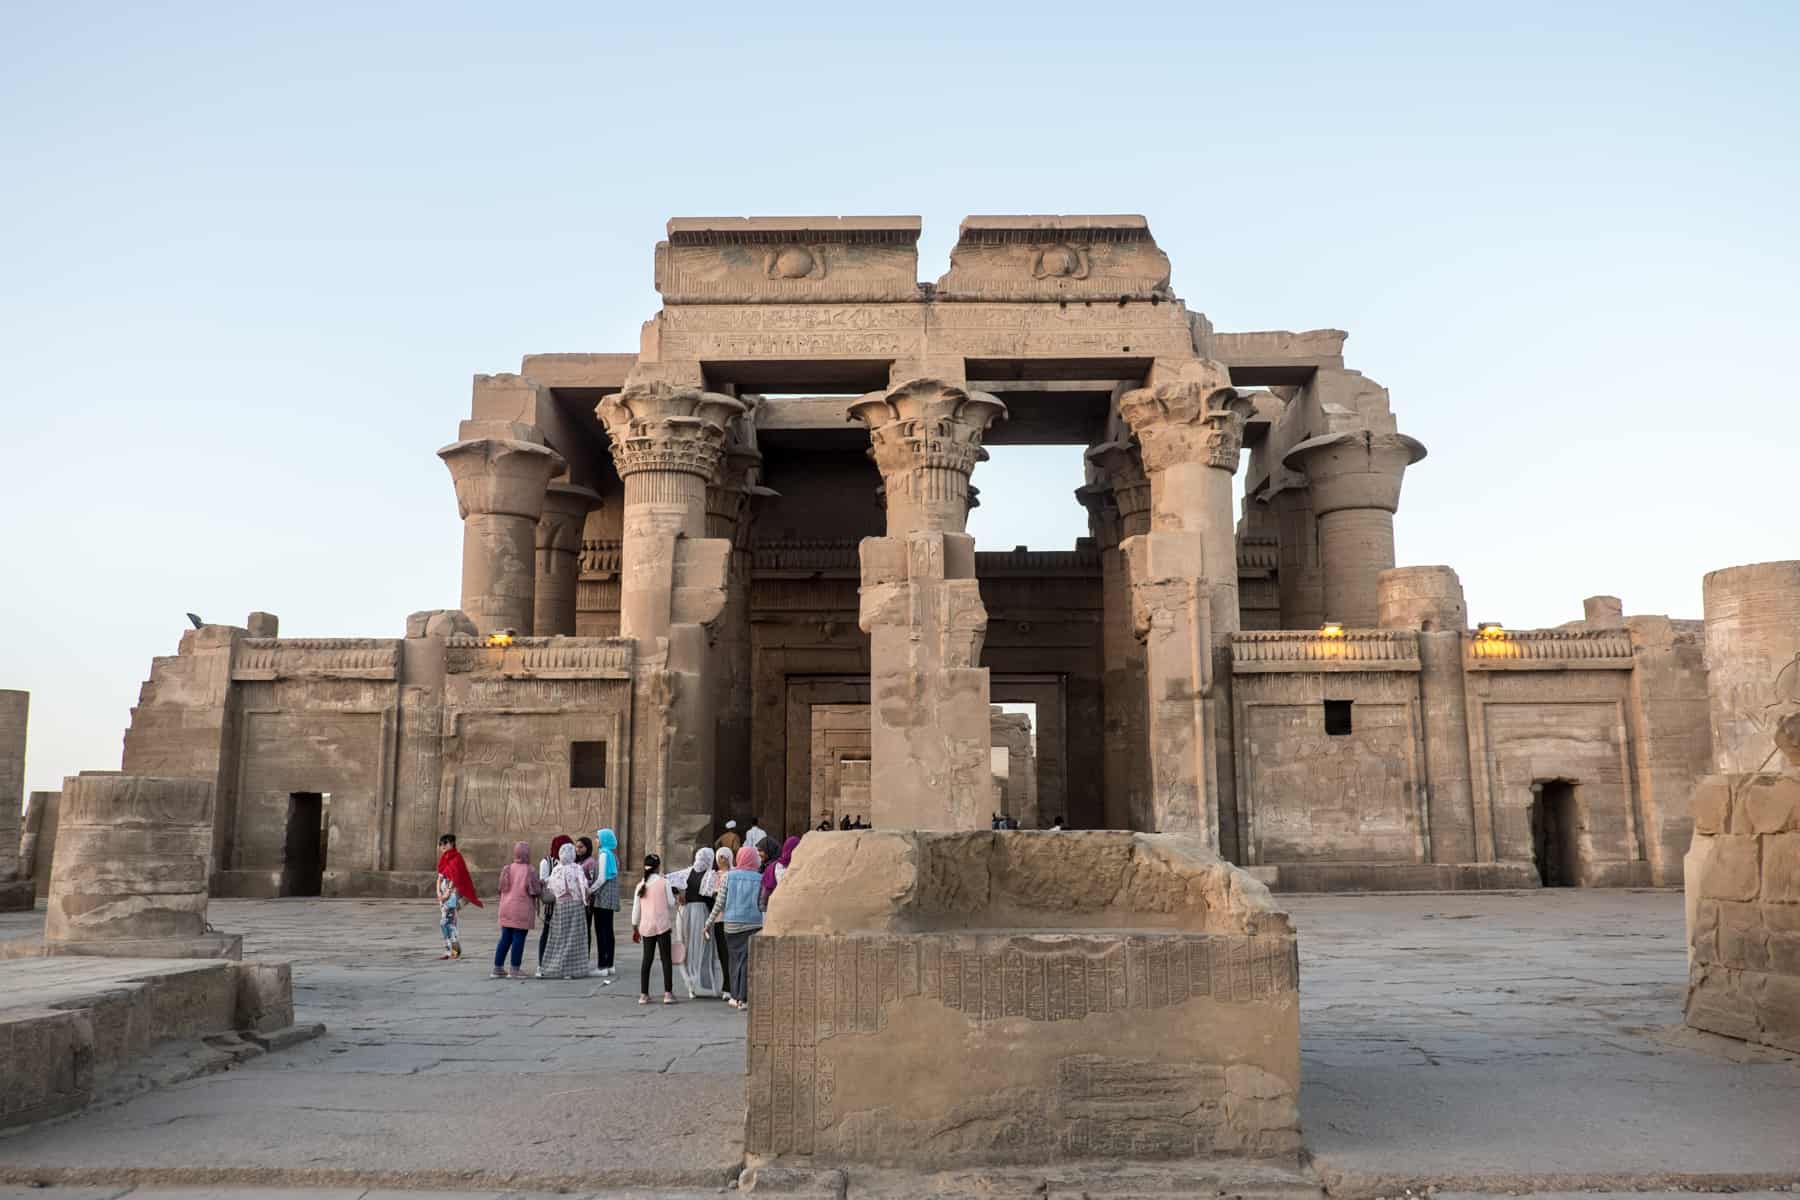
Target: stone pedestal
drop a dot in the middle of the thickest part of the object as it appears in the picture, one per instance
(921, 607)
(1355, 483)
(945, 1001)
(566, 507)
(1430, 601)
(132, 861)
(500, 493)
(16, 890)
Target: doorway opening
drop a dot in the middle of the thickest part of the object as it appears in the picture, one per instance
(303, 858)
(1555, 829)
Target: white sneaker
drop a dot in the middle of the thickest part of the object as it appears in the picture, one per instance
(596, 973)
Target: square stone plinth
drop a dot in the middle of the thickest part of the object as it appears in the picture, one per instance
(953, 1000)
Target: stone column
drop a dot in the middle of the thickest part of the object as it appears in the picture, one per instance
(132, 862)
(566, 507)
(1430, 600)
(500, 493)
(921, 606)
(1355, 482)
(731, 499)
(667, 440)
(1118, 504)
(1184, 592)
(16, 890)
(1753, 666)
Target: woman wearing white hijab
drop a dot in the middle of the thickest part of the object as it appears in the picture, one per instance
(565, 956)
(701, 966)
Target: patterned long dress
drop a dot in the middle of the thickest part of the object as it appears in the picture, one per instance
(565, 952)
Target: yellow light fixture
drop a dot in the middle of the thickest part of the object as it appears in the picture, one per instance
(1490, 631)
(1331, 629)
(500, 637)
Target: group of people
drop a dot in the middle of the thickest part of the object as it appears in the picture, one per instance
(699, 918)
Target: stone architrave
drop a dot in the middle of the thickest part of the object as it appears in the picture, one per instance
(566, 506)
(1355, 481)
(133, 859)
(921, 606)
(1184, 591)
(500, 486)
(16, 890)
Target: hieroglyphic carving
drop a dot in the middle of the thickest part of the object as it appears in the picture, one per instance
(315, 658)
(817, 988)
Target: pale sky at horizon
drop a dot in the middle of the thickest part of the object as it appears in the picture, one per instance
(250, 258)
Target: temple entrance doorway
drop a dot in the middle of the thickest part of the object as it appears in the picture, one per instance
(303, 856)
(1555, 831)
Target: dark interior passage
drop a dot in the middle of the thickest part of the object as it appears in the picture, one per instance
(1554, 828)
(303, 860)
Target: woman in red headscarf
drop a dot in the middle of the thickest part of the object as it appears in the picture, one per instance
(454, 889)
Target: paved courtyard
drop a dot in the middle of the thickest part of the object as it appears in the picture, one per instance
(1494, 1040)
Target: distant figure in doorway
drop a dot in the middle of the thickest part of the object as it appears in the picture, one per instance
(729, 840)
(605, 899)
(825, 825)
(654, 907)
(565, 957)
(454, 889)
(756, 833)
(1057, 825)
(844, 821)
(519, 888)
(737, 909)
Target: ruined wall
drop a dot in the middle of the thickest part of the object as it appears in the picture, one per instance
(16, 889)
(1308, 794)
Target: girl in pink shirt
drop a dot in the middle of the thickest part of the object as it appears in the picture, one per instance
(653, 909)
(519, 888)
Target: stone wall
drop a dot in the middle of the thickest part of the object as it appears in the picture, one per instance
(1743, 902)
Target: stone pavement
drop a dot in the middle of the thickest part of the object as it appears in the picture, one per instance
(1489, 1041)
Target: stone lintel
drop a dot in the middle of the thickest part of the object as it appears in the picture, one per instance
(604, 372)
(1272, 357)
(1047, 257)
(714, 230)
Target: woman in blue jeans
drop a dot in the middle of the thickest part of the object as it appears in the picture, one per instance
(519, 887)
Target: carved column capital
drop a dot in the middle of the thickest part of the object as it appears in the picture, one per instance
(566, 507)
(1358, 468)
(738, 480)
(1121, 471)
(658, 426)
(1197, 418)
(500, 476)
(925, 439)
(1103, 514)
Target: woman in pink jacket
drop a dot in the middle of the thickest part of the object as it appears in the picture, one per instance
(654, 907)
(519, 889)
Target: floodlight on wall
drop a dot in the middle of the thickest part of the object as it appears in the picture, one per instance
(1490, 631)
(500, 637)
(1331, 629)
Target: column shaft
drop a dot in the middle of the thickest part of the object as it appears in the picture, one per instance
(499, 575)
(1355, 546)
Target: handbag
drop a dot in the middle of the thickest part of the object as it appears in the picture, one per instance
(677, 950)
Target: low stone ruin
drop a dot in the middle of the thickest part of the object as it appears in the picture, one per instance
(951, 1000)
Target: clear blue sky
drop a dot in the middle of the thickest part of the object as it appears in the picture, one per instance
(250, 256)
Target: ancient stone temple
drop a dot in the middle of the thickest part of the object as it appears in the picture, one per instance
(730, 573)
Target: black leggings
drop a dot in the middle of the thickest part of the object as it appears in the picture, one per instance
(603, 936)
(549, 907)
(665, 940)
